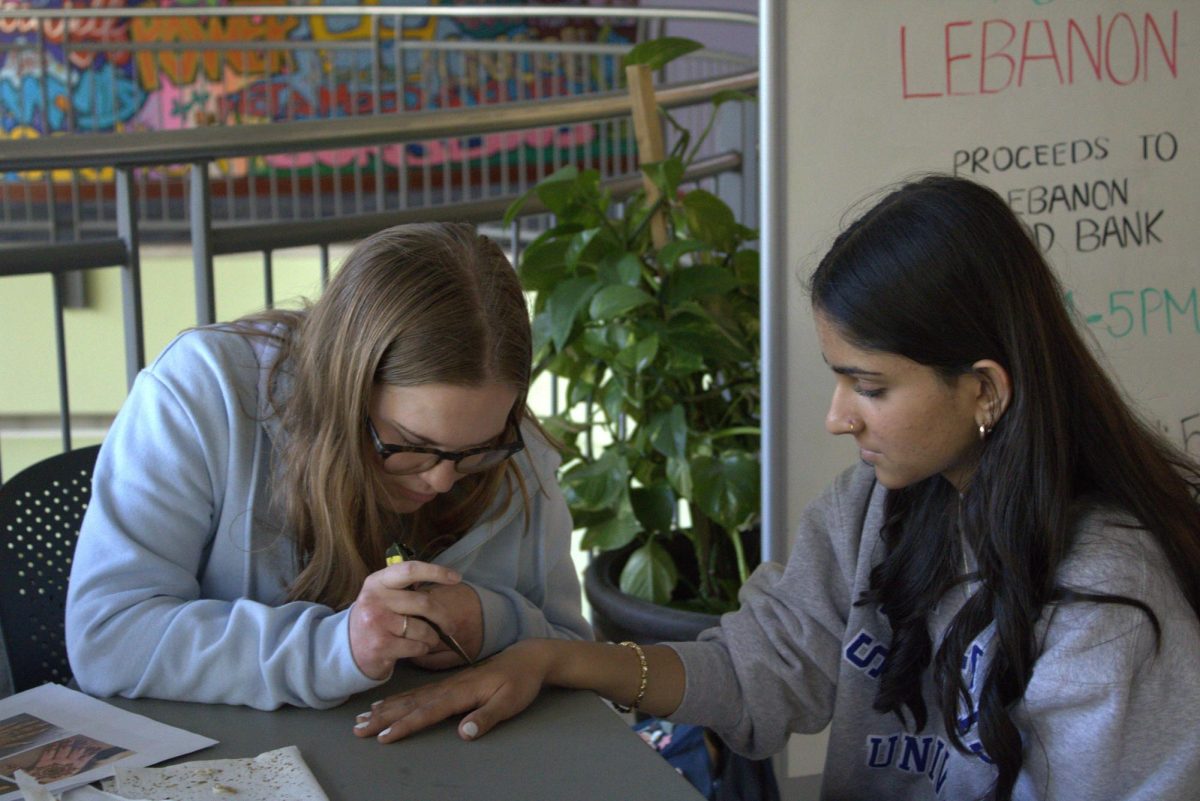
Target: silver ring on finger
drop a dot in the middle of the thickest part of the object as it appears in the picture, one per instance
(404, 628)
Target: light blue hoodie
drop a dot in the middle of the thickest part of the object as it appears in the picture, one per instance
(179, 582)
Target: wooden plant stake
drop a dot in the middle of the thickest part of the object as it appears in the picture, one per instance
(648, 129)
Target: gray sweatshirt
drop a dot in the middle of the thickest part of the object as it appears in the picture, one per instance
(1105, 714)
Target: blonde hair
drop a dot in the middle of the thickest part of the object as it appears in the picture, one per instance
(411, 305)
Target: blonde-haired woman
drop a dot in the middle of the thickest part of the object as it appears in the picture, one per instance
(245, 498)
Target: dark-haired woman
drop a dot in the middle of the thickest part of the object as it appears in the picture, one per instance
(1002, 601)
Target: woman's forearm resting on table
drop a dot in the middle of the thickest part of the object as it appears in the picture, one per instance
(506, 684)
(614, 671)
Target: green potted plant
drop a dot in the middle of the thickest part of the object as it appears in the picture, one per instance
(658, 347)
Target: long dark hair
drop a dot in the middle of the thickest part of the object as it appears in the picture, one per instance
(942, 272)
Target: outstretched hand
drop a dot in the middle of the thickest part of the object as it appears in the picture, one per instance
(492, 692)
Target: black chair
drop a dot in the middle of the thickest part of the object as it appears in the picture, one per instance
(41, 509)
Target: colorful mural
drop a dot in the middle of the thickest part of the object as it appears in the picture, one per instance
(134, 73)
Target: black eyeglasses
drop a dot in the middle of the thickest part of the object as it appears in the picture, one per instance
(405, 459)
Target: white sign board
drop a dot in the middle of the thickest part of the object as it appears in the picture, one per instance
(1083, 114)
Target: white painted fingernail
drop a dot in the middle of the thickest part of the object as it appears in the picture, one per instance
(385, 732)
(377, 703)
(470, 729)
(363, 716)
(362, 725)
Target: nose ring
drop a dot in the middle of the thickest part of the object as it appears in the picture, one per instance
(851, 424)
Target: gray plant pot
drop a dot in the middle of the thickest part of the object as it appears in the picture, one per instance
(618, 617)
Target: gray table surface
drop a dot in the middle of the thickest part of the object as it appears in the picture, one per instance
(568, 745)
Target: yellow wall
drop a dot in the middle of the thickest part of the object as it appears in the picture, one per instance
(95, 342)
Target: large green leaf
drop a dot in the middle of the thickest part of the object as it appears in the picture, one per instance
(564, 305)
(649, 574)
(745, 265)
(698, 281)
(544, 265)
(617, 267)
(654, 507)
(618, 335)
(615, 532)
(672, 251)
(558, 189)
(612, 397)
(668, 432)
(727, 487)
(657, 53)
(585, 519)
(541, 331)
(562, 232)
(646, 471)
(596, 344)
(616, 300)
(640, 356)
(683, 362)
(629, 269)
(597, 485)
(700, 333)
(679, 473)
(709, 219)
(579, 244)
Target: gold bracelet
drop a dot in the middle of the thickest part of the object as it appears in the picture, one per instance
(641, 690)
